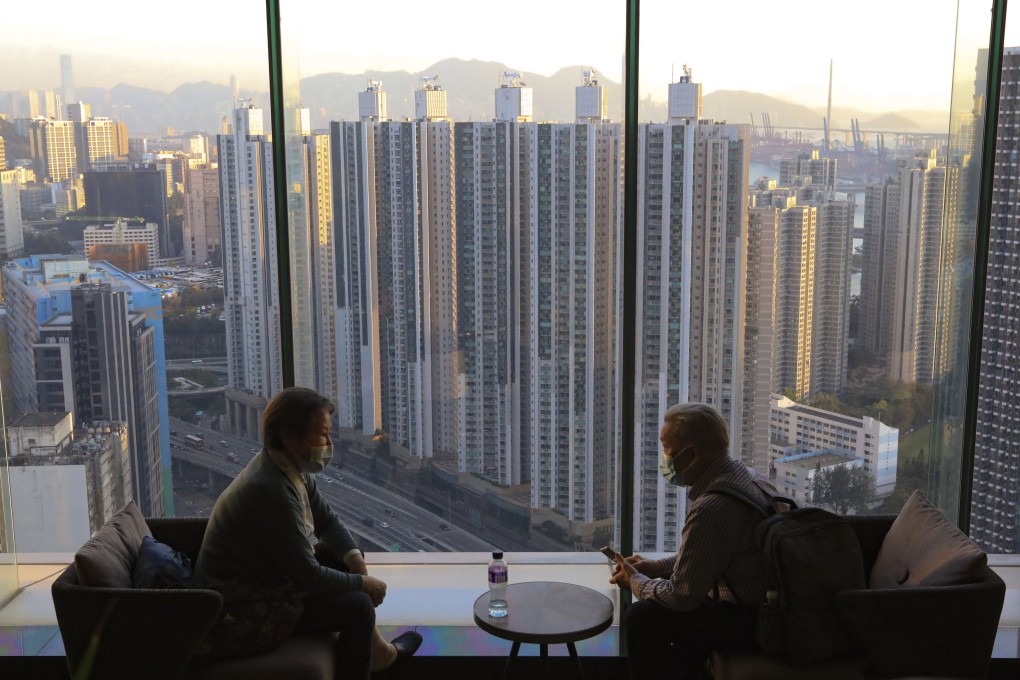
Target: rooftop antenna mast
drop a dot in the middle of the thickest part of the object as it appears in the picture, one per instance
(828, 112)
(512, 79)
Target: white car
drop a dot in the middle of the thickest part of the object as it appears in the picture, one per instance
(384, 525)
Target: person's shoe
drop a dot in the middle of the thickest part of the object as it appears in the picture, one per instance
(407, 644)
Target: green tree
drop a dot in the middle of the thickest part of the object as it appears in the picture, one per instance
(911, 475)
(45, 243)
(828, 402)
(842, 488)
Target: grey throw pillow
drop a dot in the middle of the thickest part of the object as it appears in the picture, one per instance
(108, 558)
(923, 548)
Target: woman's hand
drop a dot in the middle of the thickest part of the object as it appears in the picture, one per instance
(374, 588)
(356, 564)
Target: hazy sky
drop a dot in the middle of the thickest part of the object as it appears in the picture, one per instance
(889, 54)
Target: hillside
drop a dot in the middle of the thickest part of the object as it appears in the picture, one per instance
(737, 106)
(469, 86)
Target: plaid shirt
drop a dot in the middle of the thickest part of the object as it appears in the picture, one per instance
(717, 546)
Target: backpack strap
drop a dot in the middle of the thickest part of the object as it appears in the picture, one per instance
(774, 506)
(734, 491)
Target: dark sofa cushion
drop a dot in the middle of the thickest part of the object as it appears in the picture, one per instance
(108, 558)
(160, 566)
(923, 548)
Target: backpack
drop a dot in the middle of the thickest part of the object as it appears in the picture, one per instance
(809, 554)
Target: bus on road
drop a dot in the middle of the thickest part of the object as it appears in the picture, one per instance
(195, 441)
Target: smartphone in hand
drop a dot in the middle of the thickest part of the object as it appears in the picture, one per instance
(609, 552)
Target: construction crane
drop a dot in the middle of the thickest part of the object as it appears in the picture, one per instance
(766, 121)
(855, 130)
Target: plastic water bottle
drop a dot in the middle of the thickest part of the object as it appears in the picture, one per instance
(497, 585)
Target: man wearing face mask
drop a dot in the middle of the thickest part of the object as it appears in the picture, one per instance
(270, 526)
(705, 597)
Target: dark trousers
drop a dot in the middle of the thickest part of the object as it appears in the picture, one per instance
(663, 643)
(350, 614)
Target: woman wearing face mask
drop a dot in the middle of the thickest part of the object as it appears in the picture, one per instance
(272, 529)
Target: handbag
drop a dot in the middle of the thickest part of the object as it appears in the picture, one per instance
(255, 618)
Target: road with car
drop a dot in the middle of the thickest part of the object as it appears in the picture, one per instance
(388, 519)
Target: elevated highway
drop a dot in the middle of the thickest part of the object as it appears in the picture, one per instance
(378, 514)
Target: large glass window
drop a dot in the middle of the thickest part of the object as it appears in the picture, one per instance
(455, 217)
(451, 182)
(799, 215)
(116, 129)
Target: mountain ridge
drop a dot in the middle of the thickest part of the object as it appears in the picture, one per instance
(201, 106)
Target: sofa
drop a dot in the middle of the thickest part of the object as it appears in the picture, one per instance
(930, 609)
(113, 630)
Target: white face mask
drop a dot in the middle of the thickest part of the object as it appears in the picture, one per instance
(317, 462)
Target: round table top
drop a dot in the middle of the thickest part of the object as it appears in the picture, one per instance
(546, 612)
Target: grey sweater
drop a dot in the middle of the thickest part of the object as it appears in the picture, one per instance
(256, 533)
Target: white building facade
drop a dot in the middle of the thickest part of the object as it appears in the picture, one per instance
(692, 259)
(877, 444)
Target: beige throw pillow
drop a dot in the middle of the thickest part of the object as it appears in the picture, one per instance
(923, 548)
(108, 558)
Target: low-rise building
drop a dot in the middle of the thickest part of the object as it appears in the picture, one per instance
(65, 481)
(124, 233)
(796, 471)
(877, 444)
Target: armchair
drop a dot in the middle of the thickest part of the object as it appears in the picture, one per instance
(944, 631)
(153, 633)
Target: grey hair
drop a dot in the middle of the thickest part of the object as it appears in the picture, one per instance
(701, 425)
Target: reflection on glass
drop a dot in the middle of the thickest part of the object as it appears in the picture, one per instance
(956, 283)
(8, 552)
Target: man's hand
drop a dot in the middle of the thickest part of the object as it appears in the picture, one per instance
(643, 566)
(374, 588)
(623, 573)
(356, 564)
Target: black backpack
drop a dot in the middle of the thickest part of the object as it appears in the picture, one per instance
(810, 554)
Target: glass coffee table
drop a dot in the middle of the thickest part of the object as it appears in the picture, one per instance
(547, 613)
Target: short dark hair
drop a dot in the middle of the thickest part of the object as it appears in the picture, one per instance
(294, 410)
(701, 425)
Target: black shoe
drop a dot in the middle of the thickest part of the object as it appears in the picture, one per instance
(407, 644)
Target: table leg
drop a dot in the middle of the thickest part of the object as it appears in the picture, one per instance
(513, 653)
(544, 651)
(577, 661)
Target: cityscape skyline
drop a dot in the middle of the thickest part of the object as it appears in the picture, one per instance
(526, 394)
(710, 351)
